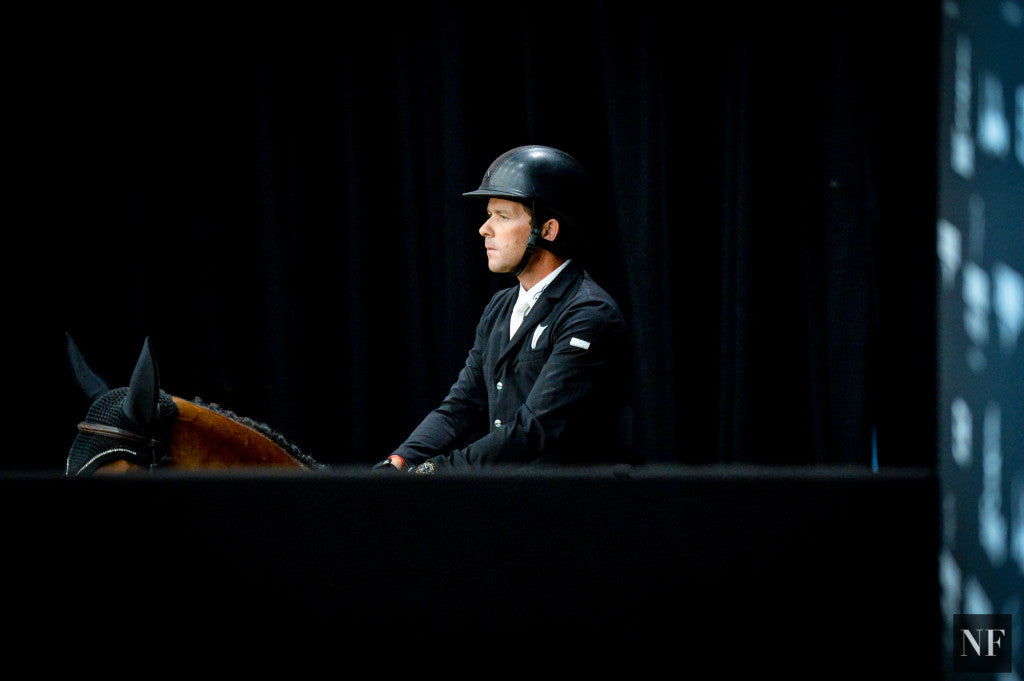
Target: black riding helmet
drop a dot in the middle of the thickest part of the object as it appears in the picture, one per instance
(548, 181)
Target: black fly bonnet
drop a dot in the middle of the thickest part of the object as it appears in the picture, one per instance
(131, 424)
(108, 434)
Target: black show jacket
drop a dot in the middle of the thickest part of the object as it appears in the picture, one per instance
(556, 393)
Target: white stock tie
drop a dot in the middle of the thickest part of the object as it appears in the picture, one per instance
(518, 312)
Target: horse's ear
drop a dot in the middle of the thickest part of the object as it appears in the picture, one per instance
(143, 398)
(92, 385)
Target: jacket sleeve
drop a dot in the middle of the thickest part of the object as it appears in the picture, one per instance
(569, 400)
(459, 414)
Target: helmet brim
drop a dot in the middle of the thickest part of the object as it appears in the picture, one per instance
(494, 193)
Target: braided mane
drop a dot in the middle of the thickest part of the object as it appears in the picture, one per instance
(260, 427)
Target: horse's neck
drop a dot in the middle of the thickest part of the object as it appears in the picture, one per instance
(202, 438)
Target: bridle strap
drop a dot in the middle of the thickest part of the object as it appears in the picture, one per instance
(117, 433)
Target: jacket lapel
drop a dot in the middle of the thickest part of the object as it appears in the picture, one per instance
(548, 299)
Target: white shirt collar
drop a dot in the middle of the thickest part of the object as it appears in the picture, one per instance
(534, 293)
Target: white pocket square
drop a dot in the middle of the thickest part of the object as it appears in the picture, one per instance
(536, 334)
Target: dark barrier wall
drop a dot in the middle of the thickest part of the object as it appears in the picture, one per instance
(792, 572)
(980, 238)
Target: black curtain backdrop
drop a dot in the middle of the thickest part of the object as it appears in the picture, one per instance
(276, 201)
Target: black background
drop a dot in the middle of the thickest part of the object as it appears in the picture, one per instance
(274, 198)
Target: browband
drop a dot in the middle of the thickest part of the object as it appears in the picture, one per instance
(116, 433)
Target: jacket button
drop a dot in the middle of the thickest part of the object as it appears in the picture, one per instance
(500, 386)
(497, 423)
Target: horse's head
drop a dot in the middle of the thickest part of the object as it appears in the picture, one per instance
(130, 424)
(141, 427)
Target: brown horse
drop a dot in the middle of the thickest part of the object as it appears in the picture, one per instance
(140, 427)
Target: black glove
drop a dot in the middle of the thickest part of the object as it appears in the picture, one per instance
(384, 466)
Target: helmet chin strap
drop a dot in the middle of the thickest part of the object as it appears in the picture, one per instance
(531, 246)
(531, 243)
(537, 241)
